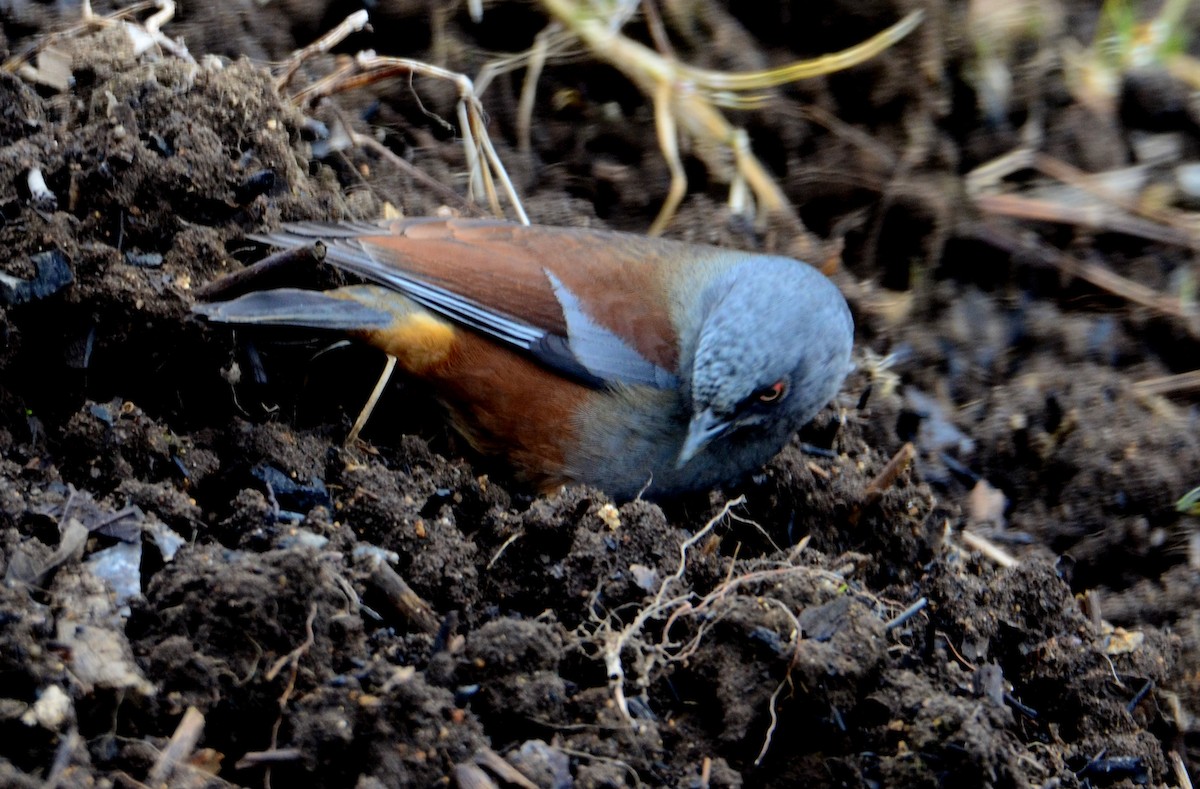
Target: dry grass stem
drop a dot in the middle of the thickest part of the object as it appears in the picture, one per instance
(1169, 384)
(1093, 273)
(487, 175)
(369, 406)
(686, 99)
(182, 743)
(348, 26)
(989, 549)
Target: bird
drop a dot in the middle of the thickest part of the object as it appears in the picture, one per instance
(639, 366)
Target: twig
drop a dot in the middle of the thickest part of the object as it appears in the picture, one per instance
(403, 599)
(1139, 696)
(275, 756)
(1169, 384)
(1092, 273)
(1115, 211)
(486, 757)
(884, 480)
(485, 167)
(182, 743)
(255, 277)
(906, 614)
(533, 70)
(1094, 216)
(989, 549)
(888, 475)
(686, 99)
(1068, 174)
(472, 776)
(348, 26)
(1180, 770)
(369, 406)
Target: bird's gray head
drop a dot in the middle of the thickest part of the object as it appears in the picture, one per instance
(773, 348)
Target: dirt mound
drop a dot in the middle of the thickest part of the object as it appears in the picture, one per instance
(182, 529)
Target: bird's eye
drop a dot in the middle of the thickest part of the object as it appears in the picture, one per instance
(772, 393)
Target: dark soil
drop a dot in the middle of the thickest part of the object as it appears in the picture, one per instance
(182, 527)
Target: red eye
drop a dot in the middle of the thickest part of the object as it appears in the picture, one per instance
(772, 393)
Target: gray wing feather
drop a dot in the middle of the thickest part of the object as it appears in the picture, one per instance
(602, 352)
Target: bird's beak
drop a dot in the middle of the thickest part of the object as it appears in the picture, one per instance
(705, 426)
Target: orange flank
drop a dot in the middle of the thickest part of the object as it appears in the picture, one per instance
(419, 341)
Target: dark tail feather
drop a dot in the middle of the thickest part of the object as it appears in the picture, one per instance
(293, 307)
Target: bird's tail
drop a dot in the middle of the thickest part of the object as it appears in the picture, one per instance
(390, 321)
(340, 310)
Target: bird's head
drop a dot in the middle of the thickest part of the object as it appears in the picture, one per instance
(773, 348)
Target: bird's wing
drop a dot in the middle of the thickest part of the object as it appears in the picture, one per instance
(590, 304)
